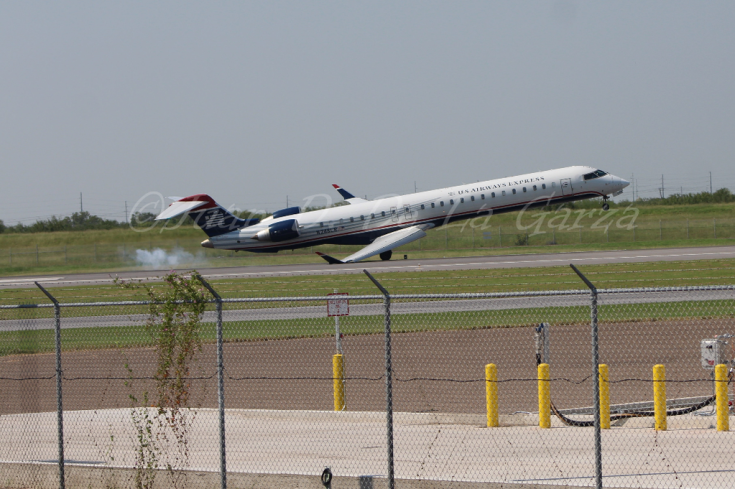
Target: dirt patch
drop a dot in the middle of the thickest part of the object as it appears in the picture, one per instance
(438, 371)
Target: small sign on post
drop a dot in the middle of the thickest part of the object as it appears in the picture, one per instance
(338, 305)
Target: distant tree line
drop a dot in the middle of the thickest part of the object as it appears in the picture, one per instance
(82, 221)
(79, 221)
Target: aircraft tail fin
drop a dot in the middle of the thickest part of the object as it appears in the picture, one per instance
(211, 217)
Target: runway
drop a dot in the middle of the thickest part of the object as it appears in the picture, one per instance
(436, 264)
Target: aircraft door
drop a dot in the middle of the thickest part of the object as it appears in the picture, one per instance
(394, 214)
(407, 210)
(566, 186)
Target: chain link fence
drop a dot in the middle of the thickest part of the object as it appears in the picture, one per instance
(470, 390)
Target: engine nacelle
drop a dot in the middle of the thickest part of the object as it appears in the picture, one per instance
(289, 211)
(280, 231)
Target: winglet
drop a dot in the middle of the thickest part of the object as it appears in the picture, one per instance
(344, 193)
(330, 260)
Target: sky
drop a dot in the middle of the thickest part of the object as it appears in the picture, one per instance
(255, 103)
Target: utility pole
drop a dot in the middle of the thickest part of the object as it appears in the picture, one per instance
(661, 191)
(414, 186)
(126, 212)
(632, 181)
(81, 206)
(710, 182)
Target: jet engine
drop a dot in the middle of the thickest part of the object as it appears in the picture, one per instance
(280, 231)
(289, 211)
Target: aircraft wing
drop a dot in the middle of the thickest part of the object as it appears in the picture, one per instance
(348, 196)
(383, 243)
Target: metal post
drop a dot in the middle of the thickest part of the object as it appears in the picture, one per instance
(220, 385)
(388, 381)
(595, 377)
(59, 407)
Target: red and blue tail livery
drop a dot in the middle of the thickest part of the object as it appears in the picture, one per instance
(211, 217)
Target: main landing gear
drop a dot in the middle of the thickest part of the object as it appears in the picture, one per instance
(385, 256)
(605, 205)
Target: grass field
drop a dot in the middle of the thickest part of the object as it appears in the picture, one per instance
(647, 274)
(40, 341)
(534, 231)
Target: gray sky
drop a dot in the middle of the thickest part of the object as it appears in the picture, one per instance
(253, 101)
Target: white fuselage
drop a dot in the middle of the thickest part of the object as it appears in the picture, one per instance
(362, 222)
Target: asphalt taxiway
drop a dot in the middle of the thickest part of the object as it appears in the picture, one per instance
(396, 265)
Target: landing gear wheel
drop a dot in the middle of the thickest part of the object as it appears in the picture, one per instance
(385, 256)
(605, 206)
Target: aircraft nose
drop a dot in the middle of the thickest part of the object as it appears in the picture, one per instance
(624, 183)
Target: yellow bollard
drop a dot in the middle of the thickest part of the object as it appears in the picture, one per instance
(723, 409)
(604, 398)
(338, 374)
(491, 390)
(659, 396)
(544, 396)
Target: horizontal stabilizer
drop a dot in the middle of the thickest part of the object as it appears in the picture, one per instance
(178, 208)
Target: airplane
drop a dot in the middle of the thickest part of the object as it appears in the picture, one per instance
(384, 224)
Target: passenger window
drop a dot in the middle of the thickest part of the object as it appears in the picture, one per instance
(472, 198)
(492, 195)
(422, 206)
(543, 186)
(441, 203)
(432, 205)
(451, 201)
(514, 191)
(503, 193)
(372, 216)
(534, 188)
(362, 218)
(553, 184)
(483, 196)
(524, 189)
(321, 224)
(382, 213)
(352, 219)
(461, 201)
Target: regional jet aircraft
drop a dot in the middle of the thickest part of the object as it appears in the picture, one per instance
(384, 224)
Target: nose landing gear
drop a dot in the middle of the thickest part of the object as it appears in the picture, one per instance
(605, 205)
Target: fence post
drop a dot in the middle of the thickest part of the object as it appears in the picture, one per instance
(595, 376)
(220, 385)
(388, 380)
(59, 407)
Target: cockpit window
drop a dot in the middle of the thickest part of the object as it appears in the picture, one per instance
(595, 174)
